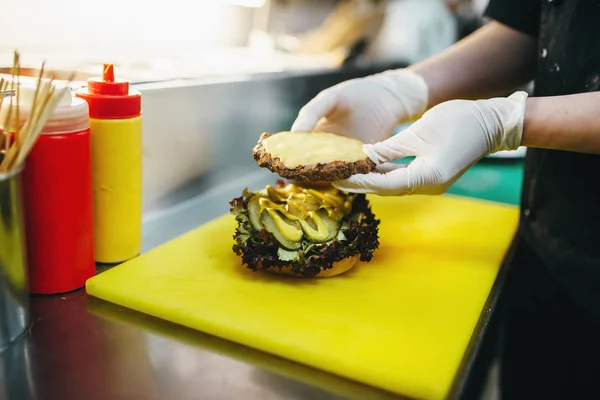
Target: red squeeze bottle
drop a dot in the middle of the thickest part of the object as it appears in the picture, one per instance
(58, 200)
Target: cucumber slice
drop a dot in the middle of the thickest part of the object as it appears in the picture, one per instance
(254, 213)
(332, 213)
(275, 194)
(333, 226)
(315, 228)
(290, 230)
(292, 208)
(270, 226)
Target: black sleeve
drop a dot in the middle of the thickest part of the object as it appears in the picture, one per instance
(522, 15)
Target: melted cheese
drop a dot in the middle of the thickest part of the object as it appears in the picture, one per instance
(309, 148)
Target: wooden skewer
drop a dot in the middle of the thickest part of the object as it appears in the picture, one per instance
(44, 98)
(37, 90)
(10, 105)
(6, 126)
(24, 131)
(7, 133)
(7, 121)
(2, 96)
(18, 73)
(38, 123)
(52, 101)
(27, 131)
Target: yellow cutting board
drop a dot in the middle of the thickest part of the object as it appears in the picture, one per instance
(401, 322)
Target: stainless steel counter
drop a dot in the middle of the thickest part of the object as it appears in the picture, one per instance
(82, 348)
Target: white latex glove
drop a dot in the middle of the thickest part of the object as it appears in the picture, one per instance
(366, 108)
(446, 140)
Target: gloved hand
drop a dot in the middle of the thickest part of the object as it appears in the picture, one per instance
(446, 140)
(366, 108)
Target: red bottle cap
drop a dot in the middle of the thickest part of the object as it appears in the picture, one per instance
(111, 98)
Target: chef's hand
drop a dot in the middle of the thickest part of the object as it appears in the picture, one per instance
(446, 140)
(366, 108)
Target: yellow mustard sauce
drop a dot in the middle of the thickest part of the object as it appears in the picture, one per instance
(298, 211)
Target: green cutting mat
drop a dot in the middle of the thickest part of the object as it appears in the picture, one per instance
(490, 179)
(496, 180)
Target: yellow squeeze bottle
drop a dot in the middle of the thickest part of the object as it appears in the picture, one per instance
(116, 136)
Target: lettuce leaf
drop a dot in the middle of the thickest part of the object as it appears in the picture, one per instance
(288, 255)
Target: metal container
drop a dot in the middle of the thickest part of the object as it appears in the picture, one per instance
(14, 288)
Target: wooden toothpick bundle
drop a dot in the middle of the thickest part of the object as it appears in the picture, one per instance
(14, 151)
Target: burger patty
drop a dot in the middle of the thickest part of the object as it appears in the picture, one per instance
(332, 171)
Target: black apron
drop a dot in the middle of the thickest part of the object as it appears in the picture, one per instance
(551, 345)
(561, 190)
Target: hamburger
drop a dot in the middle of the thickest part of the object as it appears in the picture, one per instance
(304, 229)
